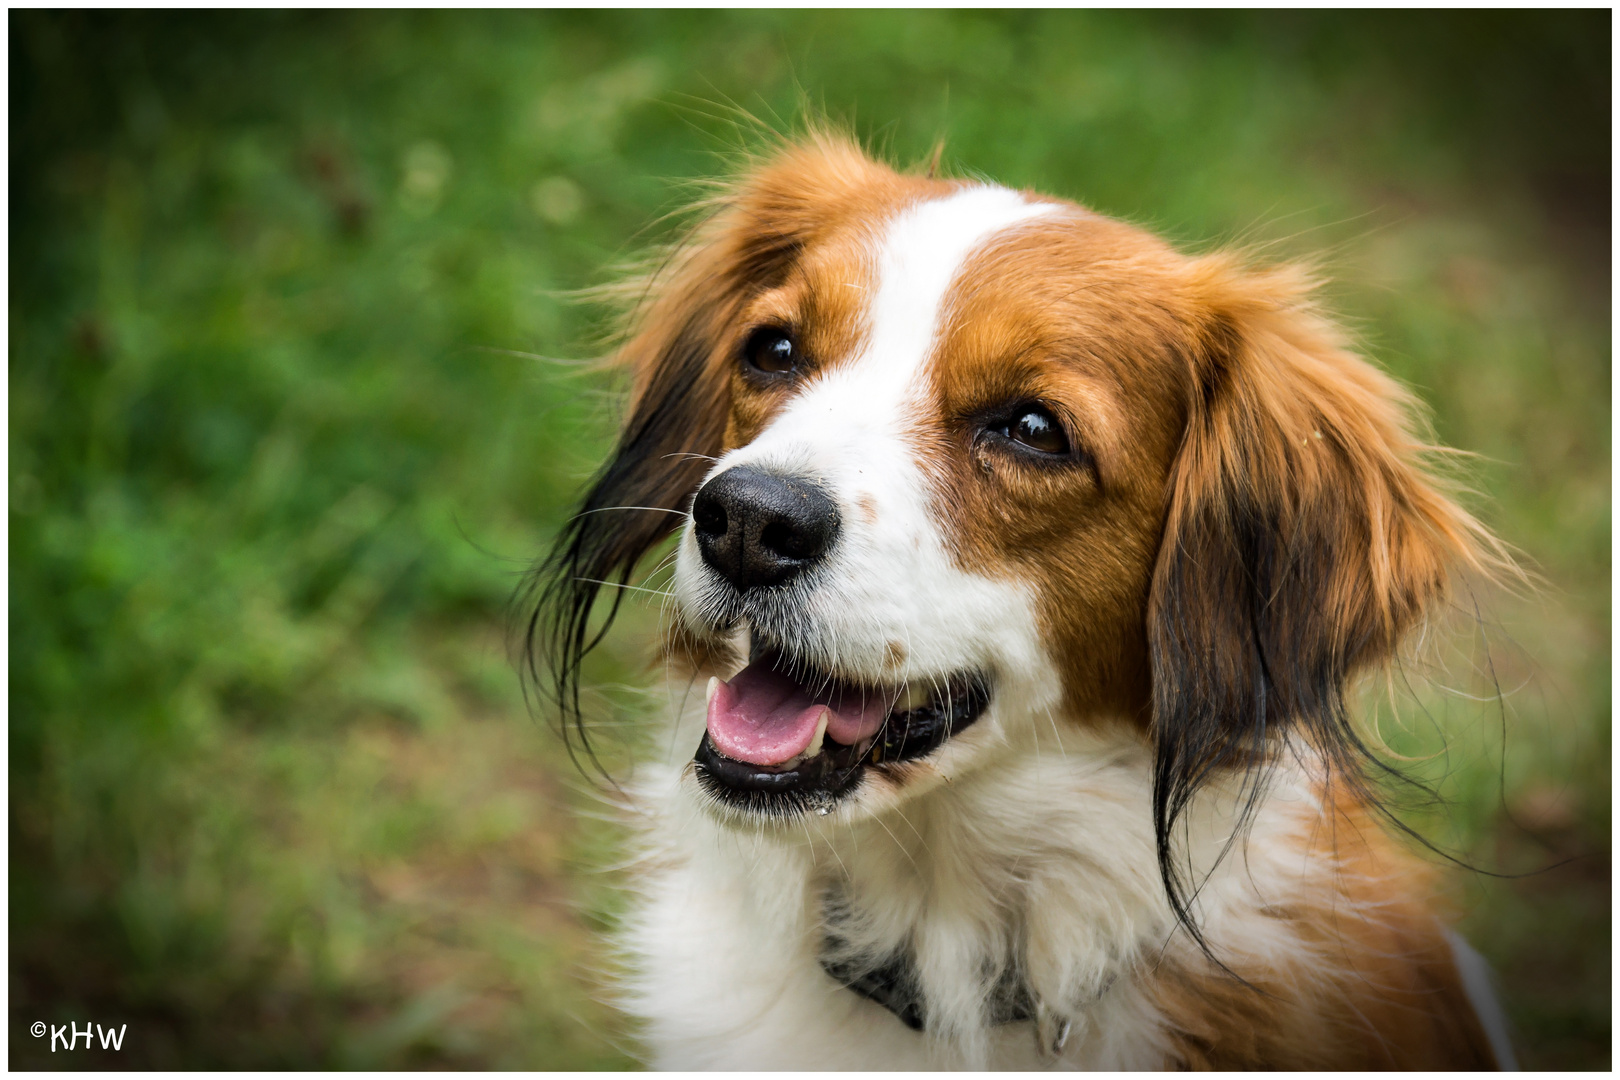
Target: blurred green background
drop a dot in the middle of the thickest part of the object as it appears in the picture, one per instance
(283, 436)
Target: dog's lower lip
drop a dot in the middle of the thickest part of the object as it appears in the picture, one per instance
(917, 726)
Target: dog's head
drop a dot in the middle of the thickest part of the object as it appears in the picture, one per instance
(951, 464)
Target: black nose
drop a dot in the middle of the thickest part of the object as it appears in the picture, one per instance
(756, 529)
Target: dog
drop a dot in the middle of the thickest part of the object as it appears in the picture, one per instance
(1022, 568)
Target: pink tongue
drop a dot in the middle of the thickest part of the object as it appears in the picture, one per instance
(765, 718)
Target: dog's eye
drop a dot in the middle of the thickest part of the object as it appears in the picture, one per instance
(771, 350)
(1037, 429)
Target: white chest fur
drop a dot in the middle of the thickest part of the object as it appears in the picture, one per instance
(1040, 870)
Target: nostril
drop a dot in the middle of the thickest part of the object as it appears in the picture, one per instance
(709, 515)
(791, 540)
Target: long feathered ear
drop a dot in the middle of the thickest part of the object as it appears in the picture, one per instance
(1305, 535)
(679, 398)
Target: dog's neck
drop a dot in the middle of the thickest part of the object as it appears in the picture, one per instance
(955, 890)
(1024, 890)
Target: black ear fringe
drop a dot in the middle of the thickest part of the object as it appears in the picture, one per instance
(1245, 666)
(638, 499)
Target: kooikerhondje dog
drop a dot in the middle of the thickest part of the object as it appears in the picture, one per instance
(1023, 567)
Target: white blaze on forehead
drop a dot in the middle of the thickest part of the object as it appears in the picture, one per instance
(919, 255)
(922, 251)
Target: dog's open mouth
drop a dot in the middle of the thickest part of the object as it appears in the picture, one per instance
(785, 737)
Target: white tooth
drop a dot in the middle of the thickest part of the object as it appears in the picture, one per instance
(714, 688)
(915, 696)
(815, 740)
(811, 750)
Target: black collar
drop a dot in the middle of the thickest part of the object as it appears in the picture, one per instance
(894, 985)
(892, 982)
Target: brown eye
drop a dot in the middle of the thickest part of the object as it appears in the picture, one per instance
(772, 351)
(1038, 429)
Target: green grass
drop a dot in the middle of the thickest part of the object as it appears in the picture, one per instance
(281, 444)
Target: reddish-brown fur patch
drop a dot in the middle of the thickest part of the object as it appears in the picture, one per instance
(1069, 312)
(1182, 379)
(1371, 985)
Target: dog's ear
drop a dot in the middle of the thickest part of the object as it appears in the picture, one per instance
(1305, 535)
(683, 312)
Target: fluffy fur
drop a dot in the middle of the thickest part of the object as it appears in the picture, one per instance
(1158, 846)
